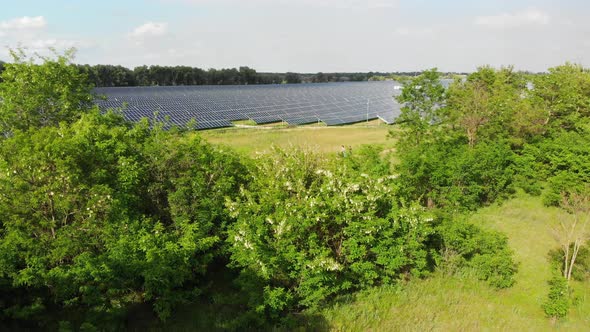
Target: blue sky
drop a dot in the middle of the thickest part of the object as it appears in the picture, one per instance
(305, 35)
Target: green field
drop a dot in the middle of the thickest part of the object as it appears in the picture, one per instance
(321, 138)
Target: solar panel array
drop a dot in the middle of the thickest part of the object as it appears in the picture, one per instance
(296, 104)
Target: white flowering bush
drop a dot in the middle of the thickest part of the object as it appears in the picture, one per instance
(308, 228)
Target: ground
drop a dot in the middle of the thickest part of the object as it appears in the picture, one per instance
(322, 138)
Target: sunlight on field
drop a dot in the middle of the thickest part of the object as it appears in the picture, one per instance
(323, 139)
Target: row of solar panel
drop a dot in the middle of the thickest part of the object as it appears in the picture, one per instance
(213, 107)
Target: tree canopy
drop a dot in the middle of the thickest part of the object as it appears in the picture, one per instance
(34, 95)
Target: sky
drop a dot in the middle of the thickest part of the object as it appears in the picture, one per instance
(304, 35)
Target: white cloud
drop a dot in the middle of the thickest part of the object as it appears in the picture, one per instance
(509, 20)
(149, 29)
(24, 22)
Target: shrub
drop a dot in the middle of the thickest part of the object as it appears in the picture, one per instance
(98, 215)
(451, 175)
(310, 229)
(486, 253)
(558, 301)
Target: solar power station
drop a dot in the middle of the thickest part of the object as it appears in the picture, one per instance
(295, 104)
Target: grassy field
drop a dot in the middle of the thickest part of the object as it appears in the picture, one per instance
(322, 138)
(457, 303)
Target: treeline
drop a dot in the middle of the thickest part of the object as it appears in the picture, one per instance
(119, 76)
(111, 76)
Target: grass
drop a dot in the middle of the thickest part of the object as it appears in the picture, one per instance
(443, 303)
(323, 139)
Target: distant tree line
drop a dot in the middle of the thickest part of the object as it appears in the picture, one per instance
(111, 75)
(155, 75)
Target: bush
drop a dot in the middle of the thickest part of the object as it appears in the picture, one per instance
(448, 174)
(309, 229)
(486, 253)
(562, 161)
(558, 301)
(370, 160)
(98, 215)
(42, 94)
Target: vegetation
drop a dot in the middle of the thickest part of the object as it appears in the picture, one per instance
(447, 301)
(41, 95)
(100, 217)
(495, 132)
(98, 214)
(110, 75)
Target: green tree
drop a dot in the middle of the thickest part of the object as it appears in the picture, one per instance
(36, 95)
(565, 94)
(291, 78)
(2, 64)
(423, 100)
(495, 104)
(98, 215)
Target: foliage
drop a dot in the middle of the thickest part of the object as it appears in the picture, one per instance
(291, 78)
(423, 98)
(100, 215)
(369, 160)
(562, 161)
(308, 229)
(565, 93)
(485, 253)
(558, 301)
(457, 150)
(449, 174)
(35, 95)
(492, 104)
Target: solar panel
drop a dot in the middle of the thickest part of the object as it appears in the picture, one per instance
(218, 106)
